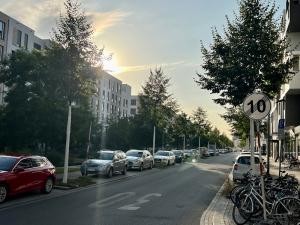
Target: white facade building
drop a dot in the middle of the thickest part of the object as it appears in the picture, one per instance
(134, 105)
(13, 36)
(112, 99)
(287, 105)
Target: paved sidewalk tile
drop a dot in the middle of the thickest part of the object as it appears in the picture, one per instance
(219, 212)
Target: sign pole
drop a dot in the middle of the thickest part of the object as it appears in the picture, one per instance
(252, 145)
(261, 173)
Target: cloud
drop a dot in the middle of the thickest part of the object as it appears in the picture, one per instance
(171, 65)
(104, 20)
(32, 12)
(41, 15)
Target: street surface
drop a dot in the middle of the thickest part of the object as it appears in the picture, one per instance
(175, 195)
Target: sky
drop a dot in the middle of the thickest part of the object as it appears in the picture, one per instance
(145, 34)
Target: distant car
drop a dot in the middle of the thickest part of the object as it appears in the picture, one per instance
(107, 163)
(164, 158)
(204, 152)
(24, 174)
(139, 159)
(178, 156)
(213, 152)
(242, 165)
(188, 153)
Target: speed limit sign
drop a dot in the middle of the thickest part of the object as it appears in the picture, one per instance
(257, 106)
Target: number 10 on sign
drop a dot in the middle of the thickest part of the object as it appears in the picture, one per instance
(257, 106)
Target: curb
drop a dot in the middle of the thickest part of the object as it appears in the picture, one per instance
(207, 216)
(219, 210)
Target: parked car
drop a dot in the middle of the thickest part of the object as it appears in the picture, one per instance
(178, 156)
(188, 153)
(20, 174)
(204, 152)
(107, 163)
(242, 165)
(213, 152)
(139, 159)
(164, 158)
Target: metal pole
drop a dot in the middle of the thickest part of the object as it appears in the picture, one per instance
(153, 146)
(252, 144)
(66, 163)
(89, 141)
(199, 143)
(261, 173)
(268, 146)
(184, 142)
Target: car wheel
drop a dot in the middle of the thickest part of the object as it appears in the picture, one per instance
(141, 167)
(110, 173)
(84, 173)
(48, 186)
(124, 170)
(3, 193)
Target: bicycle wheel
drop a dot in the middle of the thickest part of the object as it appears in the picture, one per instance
(238, 217)
(234, 193)
(288, 211)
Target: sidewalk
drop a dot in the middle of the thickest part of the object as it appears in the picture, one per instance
(219, 212)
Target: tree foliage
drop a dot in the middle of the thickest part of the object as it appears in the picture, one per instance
(248, 57)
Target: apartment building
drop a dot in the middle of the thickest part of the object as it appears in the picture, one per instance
(13, 36)
(134, 105)
(112, 98)
(287, 105)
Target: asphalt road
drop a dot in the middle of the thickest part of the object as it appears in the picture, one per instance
(175, 195)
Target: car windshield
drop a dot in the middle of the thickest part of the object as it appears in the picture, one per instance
(106, 155)
(6, 163)
(177, 153)
(163, 153)
(134, 153)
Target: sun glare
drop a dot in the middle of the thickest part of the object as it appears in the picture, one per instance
(111, 66)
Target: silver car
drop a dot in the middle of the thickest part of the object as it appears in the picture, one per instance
(164, 158)
(107, 163)
(139, 159)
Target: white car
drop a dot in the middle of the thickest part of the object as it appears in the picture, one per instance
(242, 166)
(164, 158)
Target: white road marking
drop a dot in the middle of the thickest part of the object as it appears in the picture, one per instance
(111, 200)
(140, 201)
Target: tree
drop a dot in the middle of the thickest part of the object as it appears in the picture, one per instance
(157, 105)
(199, 118)
(248, 57)
(73, 36)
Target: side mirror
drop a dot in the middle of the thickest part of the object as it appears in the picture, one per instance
(18, 169)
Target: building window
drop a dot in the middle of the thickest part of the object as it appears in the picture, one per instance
(26, 41)
(1, 52)
(37, 46)
(2, 30)
(17, 37)
(133, 111)
(107, 108)
(103, 94)
(133, 101)
(109, 84)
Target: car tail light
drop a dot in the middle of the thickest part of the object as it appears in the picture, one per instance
(236, 166)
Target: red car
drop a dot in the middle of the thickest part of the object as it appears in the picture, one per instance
(25, 173)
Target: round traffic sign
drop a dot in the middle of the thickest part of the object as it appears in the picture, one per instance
(257, 106)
